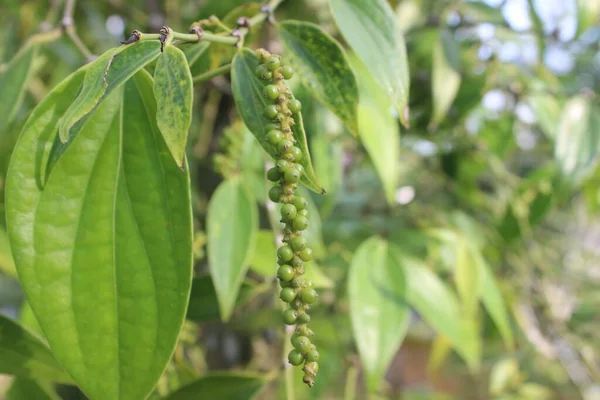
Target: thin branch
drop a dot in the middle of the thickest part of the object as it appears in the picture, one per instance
(68, 25)
(212, 73)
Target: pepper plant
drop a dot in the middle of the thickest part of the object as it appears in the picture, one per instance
(240, 162)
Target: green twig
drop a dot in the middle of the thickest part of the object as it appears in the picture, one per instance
(69, 28)
(351, 377)
(211, 74)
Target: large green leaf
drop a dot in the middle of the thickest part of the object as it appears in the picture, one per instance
(104, 250)
(323, 68)
(7, 265)
(467, 276)
(379, 130)
(231, 224)
(577, 141)
(250, 103)
(13, 82)
(27, 389)
(23, 354)
(174, 92)
(446, 75)
(105, 74)
(221, 386)
(371, 30)
(379, 313)
(203, 305)
(438, 305)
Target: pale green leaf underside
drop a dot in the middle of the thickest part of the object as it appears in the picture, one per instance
(232, 225)
(370, 28)
(222, 387)
(250, 102)
(378, 310)
(174, 90)
(323, 68)
(103, 252)
(23, 354)
(13, 82)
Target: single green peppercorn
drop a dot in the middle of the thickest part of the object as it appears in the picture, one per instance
(295, 357)
(304, 213)
(272, 63)
(287, 295)
(261, 70)
(308, 295)
(291, 175)
(271, 111)
(313, 367)
(271, 92)
(288, 213)
(298, 243)
(282, 165)
(295, 106)
(286, 273)
(274, 136)
(312, 356)
(273, 174)
(284, 145)
(290, 316)
(300, 223)
(305, 254)
(285, 253)
(287, 72)
(303, 318)
(297, 262)
(296, 152)
(270, 127)
(297, 339)
(303, 345)
(299, 202)
(275, 193)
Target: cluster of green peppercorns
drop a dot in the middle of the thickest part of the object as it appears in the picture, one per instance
(297, 292)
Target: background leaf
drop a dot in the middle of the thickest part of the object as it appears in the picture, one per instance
(323, 68)
(174, 92)
(379, 314)
(250, 103)
(23, 354)
(26, 389)
(232, 224)
(446, 75)
(370, 29)
(222, 387)
(204, 305)
(13, 82)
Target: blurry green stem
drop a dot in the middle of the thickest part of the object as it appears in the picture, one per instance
(212, 73)
(69, 27)
(350, 389)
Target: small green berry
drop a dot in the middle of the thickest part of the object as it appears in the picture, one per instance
(297, 153)
(274, 136)
(300, 223)
(273, 174)
(287, 295)
(303, 318)
(272, 63)
(290, 316)
(271, 126)
(297, 262)
(271, 111)
(298, 282)
(282, 165)
(305, 254)
(303, 344)
(291, 175)
(312, 356)
(313, 367)
(288, 213)
(297, 339)
(308, 295)
(284, 145)
(304, 213)
(298, 243)
(285, 253)
(295, 357)
(261, 70)
(275, 193)
(299, 202)
(287, 72)
(286, 273)
(295, 106)
(271, 92)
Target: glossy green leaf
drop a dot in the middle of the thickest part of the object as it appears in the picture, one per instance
(107, 73)
(231, 224)
(370, 28)
(110, 299)
(221, 386)
(577, 141)
(7, 265)
(203, 305)
(547, 111)
(250, 103)
(494, 302)
(379, 130)
(323, 68)
(438, 305)
(378, 310)
(446, 75)
(27, 389)
(174, 92)
(480, 12)
(466, 277)
(194, 51)
(23, 354)
(13, 82)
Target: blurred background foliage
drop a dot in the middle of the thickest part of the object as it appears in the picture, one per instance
(491, 197)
